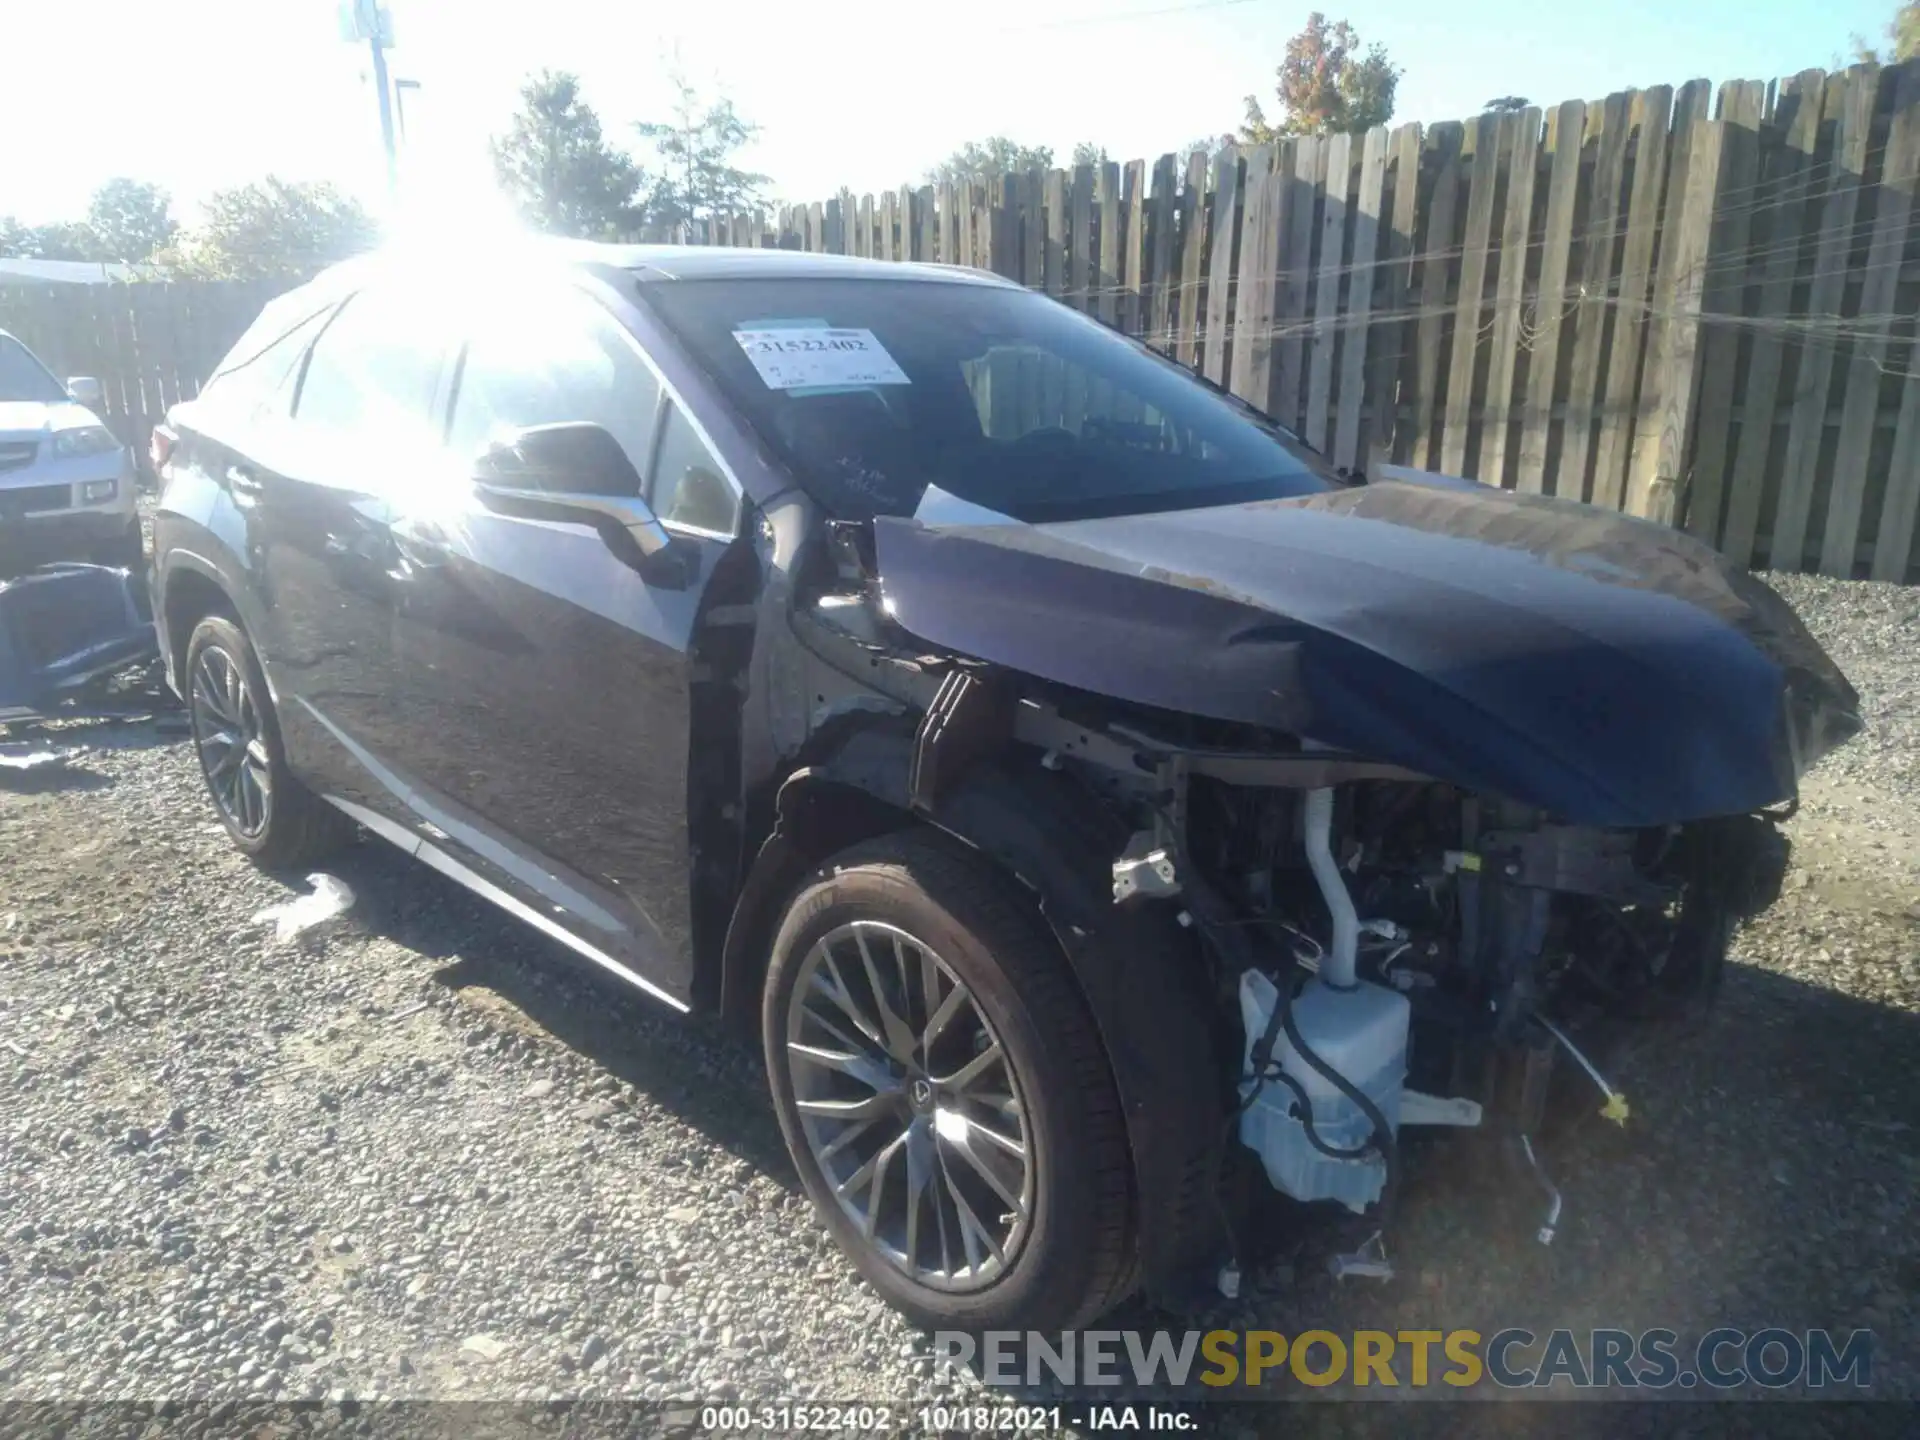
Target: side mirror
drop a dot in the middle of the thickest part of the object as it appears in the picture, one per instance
(86, 391)
(576, 473)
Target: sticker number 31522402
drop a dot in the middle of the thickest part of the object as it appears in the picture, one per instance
(794, 359)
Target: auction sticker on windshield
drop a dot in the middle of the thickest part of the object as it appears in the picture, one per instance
(802, 357)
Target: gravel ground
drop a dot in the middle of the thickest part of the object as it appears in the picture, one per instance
(409, 1155)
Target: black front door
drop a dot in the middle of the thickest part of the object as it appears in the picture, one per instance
(544, 682)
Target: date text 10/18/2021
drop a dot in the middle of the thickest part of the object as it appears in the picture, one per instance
(972, 1419)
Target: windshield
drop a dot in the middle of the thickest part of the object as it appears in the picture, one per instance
(24, 378)
(874, 390)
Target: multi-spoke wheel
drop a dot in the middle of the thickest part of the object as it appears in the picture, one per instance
(944, 1093)
(227, 730)
(269, 813)
(909, 1106)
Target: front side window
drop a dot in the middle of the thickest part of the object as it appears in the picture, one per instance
(22, 377)
(547, 358)
(375, 369)
(874, 390)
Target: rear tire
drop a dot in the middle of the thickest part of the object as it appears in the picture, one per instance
(271, 816)
(880, 910)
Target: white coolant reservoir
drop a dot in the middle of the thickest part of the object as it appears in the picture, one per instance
(1361, 1033)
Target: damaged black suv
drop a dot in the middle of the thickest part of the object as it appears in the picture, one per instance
(1113, 818)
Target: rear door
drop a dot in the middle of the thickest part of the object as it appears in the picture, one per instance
(546, 684)
(318, 495)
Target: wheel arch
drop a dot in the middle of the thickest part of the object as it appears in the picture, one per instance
(188, 589)
(1143, 978)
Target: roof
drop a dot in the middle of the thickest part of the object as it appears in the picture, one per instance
(717, 262)
(650, 264)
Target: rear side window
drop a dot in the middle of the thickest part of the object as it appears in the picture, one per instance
(257, 377)
(375, 369)
(549, 357)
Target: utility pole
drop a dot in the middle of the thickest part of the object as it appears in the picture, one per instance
(372, 22)
(400, 89)
(386, 110)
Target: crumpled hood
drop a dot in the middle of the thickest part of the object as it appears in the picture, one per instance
(1604, 668)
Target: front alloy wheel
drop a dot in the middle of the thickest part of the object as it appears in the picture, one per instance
(909, 1106)
(944, 1093)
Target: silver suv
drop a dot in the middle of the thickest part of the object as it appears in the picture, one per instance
(66, 483)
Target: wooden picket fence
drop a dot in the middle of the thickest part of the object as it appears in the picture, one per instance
(1707, 320)
(148, 343)
(1696, 308)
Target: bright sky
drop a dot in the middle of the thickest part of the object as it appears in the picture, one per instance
(201, 94)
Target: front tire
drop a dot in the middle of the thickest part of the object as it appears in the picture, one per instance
(944, 1093)
(270, 815)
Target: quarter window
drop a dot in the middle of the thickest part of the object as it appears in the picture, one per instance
(688, 485)
(374, 370)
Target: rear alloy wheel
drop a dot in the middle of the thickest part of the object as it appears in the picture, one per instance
(944, 1093)
(270, 814)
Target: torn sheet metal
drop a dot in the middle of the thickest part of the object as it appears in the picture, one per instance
(64, 629)
(1606, 669)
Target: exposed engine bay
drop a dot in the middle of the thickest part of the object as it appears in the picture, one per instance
(1399, 953)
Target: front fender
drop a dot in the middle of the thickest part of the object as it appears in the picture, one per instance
(1144, 979)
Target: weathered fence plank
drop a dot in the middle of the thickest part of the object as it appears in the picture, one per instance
(1389, 333)
(1163, 217)
(1522, 144)
(1296, 273)
(1193, 248)
(1892, 228)
(1593, 312)
(1437, 250)
(1850, 107)
(1781, 200)
(1613, 454)
(1223, 230)
(1566, 135)
(1260, 219)
(1326, 300)
(1741, 106)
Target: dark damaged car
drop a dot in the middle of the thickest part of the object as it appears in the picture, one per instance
(1120, 827)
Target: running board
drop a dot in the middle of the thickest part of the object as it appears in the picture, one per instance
(471, 879)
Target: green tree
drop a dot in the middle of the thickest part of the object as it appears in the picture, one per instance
(15, 239)
(557, 167)
(696, 147)
(1326, 85)
(130, 220)
(1088, 153)
(996, 155)
(272, 228)
(63, 240)
(1903, 32)
(1506, 105)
